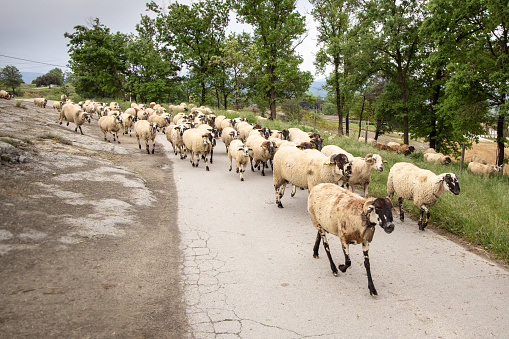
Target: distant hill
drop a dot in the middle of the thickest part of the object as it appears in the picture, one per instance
(29, 76)
(316, 88)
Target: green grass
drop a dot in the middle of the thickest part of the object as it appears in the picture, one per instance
(479, 214)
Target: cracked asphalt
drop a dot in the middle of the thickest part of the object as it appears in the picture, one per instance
(249, 272)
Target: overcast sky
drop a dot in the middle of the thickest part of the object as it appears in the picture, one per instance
(34, 29)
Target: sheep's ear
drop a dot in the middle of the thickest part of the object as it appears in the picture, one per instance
(327, 163)
(440, 180)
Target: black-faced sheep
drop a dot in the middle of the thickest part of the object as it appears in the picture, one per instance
(306, 169)
(351, 218)
(228, 135)
(198, 142)
(74, 114)
(128, 121)
(40, 102)
(5, 95)
(110, 124)
(147, 131)
(421, 186)
(239, 152)
(262, 152)
(174, 136)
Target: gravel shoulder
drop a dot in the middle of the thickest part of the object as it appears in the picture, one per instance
(88, 233)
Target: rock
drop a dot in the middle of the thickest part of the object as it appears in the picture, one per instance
(8, 152)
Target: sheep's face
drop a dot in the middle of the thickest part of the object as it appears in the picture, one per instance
(378, 163)
(245, 150)
(269, 147)
(341, 164)
(380, 213)
(285, 134)
(450, 182)
(265, 132)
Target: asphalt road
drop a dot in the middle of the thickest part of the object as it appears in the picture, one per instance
(249, 271)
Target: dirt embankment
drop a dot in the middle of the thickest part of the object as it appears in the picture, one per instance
(88, 233)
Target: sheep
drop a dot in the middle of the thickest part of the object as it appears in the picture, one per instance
(74, 114)
(197, 142)
(174, 136)
(225, 123)
(240, 153)
(437, 158)
(217, 122)
(127, 122)
(110, 124)
(401, 148)
(142, 115)
(421, 186)
(482, 169)
(361, 167)
(381, 147)
(228, 134)
(147, 131)
(391, 144)
(306, 169)
(479, 159)
(262, 152)
(40, 102)
(132, 111)
(63, 97)
(5, 95)
(181, 107)
(162, 121)
(57, 105)
(351, 218)
(430, 150)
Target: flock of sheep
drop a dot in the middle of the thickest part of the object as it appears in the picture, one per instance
(295, 157)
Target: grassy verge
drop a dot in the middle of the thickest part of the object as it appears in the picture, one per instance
(479, 214)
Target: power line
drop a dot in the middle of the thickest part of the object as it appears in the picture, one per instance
(37, 62)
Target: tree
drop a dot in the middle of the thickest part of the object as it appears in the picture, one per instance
(98, 60)
(194, 33)
(11, 77)
(474, 47)
(277, 29)
(48, 79)
(333, 19)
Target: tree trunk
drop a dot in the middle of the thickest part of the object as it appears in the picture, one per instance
(225, 102)
(203, 92)
(378, 127)
(347, 124)
(500, 139)
(272, 94)
(360, 117)
(434, 102)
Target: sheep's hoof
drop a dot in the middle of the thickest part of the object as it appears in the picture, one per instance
(316, 256)
(207, 168)
(241, 179)
(335, 273)
(152, 151)
(263, 173)
(139, 146)
(373, 292)
(292, 194)
(118, 141)
(279, 204)
(402, 217)
(343, 268)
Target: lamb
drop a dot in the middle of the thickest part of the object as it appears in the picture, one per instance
(40, 102)
(162, 121)
(306, 169)
(482, 169)
(479, 159)
(240, 153)
(351, 218)
(228, 135)
(174, 136)
(147, 131)
(421, 186)
(262, 152)
(110, 124)
(197, 142)
(437, 158)
(74, 114)
(127, 122)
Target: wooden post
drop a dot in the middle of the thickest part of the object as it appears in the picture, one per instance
(462, 157)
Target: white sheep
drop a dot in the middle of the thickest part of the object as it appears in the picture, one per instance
(162, 121)
(421, 186)
(240, 153)
(57, 105)
(228, 134)
(437, 158)
(174, 136)
(74, 114)
(306, 169)
(63, 97)
(5, 95)
(40, 102)
(127, 122)
(262, 152)
(351, 218)
(198, 142)
(479, 159)
(430, 150)
(142, 115)
(482, 169)
(110, 124)
(147, 131)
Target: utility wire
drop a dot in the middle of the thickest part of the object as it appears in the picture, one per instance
(37, 62)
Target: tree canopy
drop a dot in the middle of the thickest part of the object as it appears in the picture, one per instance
(11, 77)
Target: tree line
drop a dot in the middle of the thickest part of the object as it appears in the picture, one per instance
(436, 69)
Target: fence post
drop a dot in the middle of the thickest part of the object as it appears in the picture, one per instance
(462, 157)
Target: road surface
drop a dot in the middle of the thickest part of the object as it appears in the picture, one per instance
(249, 271)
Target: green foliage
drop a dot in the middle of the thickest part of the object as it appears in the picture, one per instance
(47, 80)
(11, 77)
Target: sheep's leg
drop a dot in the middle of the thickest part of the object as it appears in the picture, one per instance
(153, 146)
(206, 164)
(263, 168)
(317, 245)
(191, 159)
(211, 155)
(242, 169)
(346, 252)
(139, 144)
(365, 190)
(280, 191)
(230, 159)
(327, 250)
(401, 214)
(371, 286)
(420, 223)
(294, 190)
(251, 161)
